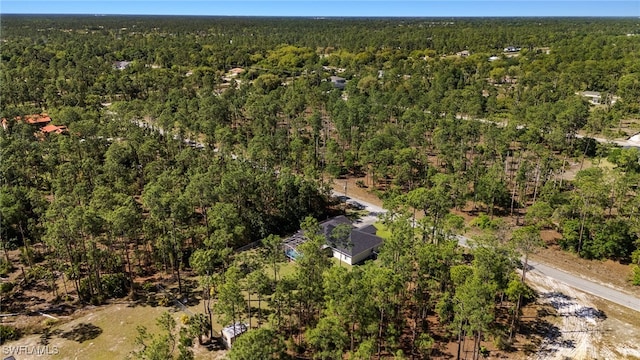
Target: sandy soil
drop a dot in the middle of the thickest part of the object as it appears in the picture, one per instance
(105, 332)
(576, 323)
(580, 326)
(621, 329)
(584, 327)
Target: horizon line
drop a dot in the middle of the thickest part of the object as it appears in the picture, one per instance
(336, 17)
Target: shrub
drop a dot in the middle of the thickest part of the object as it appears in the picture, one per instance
(8, 333)
(5, 287)
(484, 351)
(502, 343)
(570, 235)
(483, 221)
(164, 301)
(635, 275)
(48, 323)
(115, 285)
(5, 268)
(112, 286)
(149, 287)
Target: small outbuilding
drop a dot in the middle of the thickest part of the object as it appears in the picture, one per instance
(231, 332)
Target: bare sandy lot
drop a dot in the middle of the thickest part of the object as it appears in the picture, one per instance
(583, 326)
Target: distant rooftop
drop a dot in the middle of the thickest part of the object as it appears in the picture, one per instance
(53, 128)
(590, 93)
(121, 65)
(35, 119)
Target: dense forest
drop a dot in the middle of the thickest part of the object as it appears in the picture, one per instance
(189, 138)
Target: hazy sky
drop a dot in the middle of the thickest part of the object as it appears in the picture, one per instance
(328, 7)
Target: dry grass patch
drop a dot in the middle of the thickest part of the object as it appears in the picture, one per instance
(106, 332)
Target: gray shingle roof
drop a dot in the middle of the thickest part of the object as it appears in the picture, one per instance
(360, 240)
(329, 225)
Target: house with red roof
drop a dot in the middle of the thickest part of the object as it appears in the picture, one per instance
(53, 129)
(35, 119)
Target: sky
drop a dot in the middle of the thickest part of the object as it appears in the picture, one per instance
(365, 8)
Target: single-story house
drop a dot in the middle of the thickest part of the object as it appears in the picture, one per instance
(53, 129)
(463, 53)
(360, 244)
(232, 74)
(35, 119)
(231, 332)
(338, 82)
(236, 71)
(511, 49)
(595, 98)
(363, 243)
(121, 65)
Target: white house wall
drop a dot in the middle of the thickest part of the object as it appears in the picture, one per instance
(342, 257)
(355, 259)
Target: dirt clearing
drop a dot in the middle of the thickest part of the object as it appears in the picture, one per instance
(107, 332)
(583, 326)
